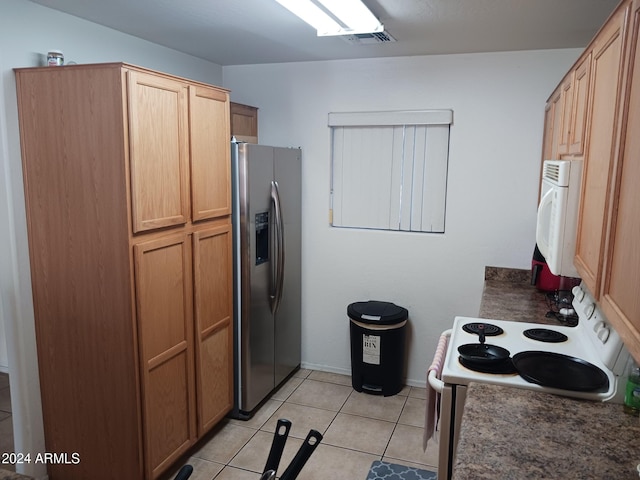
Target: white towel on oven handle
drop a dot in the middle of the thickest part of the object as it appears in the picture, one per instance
(434, 388)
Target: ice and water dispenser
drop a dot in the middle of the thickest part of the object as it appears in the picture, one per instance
(262, 237)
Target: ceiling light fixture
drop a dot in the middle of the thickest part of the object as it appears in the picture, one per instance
(354, 16)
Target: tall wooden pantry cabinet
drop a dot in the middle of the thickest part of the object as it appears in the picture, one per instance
(127, 188)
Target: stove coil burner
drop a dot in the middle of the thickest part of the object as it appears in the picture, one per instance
(545, 335)
(489, 329)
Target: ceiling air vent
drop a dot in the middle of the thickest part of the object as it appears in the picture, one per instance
(368, 38)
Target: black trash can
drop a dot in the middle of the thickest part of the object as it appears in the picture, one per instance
(378, 332)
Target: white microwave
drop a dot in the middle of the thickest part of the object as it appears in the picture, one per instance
(558, 214)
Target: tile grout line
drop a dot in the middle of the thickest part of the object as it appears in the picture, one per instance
(395, 426)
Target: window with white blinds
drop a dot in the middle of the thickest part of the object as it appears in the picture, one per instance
(389, 169)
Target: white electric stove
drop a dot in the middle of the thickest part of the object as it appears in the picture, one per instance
(586, 361)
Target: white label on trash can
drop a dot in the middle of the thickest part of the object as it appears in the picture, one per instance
(371, 349)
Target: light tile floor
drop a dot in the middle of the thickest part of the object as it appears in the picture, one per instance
(6, 424)
(358, 428)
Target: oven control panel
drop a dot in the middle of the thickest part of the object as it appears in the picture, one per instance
(605, 340)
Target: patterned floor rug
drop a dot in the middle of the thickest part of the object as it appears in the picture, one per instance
(392, 471)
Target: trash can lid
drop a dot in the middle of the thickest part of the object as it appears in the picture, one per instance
(375, 312)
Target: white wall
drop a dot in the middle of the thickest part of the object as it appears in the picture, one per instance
(498, 102)
(27, 32)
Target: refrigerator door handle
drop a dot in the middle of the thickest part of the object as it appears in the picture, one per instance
(279, 248)
(273, 241)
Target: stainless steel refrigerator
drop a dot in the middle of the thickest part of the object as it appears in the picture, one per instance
(266, 222)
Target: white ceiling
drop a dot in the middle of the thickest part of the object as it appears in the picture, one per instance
(237, 32)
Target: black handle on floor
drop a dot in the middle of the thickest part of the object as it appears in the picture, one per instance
(310, 443)
(277, 446)
(184, 473)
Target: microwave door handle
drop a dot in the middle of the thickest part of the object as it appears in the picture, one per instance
(545, 203)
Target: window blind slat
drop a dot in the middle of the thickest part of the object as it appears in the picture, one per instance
(337, 184)
(435, 181)
(407, 178)
(396, 178)
(419, 169)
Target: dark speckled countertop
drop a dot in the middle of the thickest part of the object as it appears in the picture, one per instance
(509, 295)
(510, 433)
(513, 434)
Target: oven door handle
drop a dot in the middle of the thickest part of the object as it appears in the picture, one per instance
(438, 361)
(435, 382)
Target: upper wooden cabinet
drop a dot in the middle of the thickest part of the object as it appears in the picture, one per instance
(179, 137)
(547, 139)
(603, 127)
(552, 126)
(620, 299)
(578, 118)
(603, 130)
(604, 86)
(127, 188)
(566, 114)
(158, 129)
(210, 152)
(244, 122)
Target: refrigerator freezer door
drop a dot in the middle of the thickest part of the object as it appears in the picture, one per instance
(287, 173)
(256, 330)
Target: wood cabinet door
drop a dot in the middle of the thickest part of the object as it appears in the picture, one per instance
(566, 105)
(210, 153)
(213, 285)
(244, 122)
(547, 141)
(556, 112)
(159, 151)
(603, 124)
(164, 302)
(578, 123)
(620, 298)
